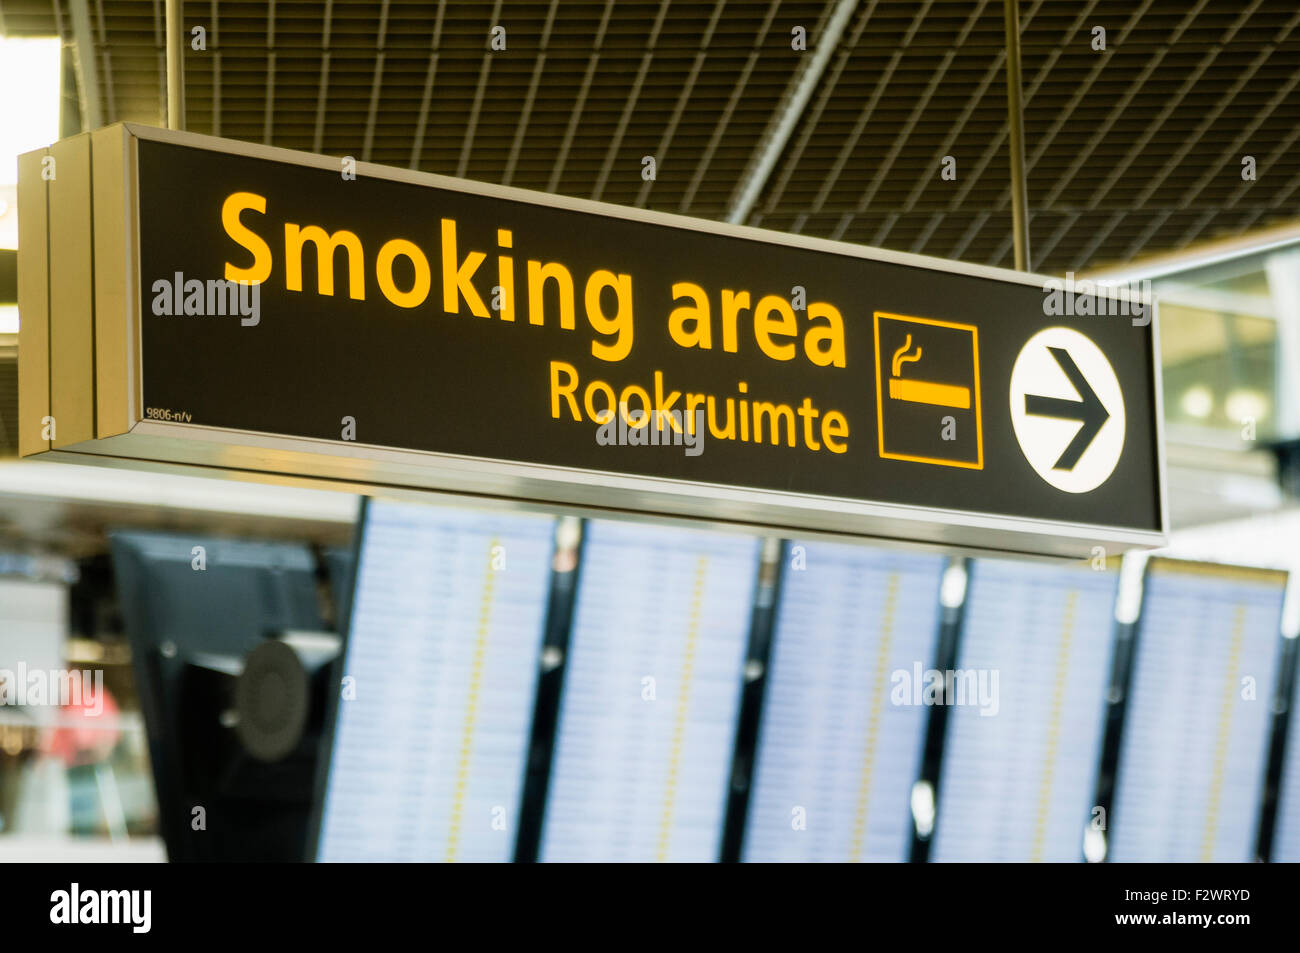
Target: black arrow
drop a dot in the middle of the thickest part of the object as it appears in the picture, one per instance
(1088, 410)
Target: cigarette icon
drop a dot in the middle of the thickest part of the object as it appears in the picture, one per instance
(923, 392)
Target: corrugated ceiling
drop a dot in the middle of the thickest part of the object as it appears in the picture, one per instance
(1131, 150)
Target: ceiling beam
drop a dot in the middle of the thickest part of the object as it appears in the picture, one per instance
(562, 156)
(521, 127)
(719, 130)
(666, 140)
(882, 172)
(417, 141)
(84, 62)
(616, 141)
(783, 123)
(791, 165)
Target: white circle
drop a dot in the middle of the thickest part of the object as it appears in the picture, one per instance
(1044, 439)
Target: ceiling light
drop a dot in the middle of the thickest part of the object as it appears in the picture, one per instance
(1245, 404)
(30, 119)
(1197, 401)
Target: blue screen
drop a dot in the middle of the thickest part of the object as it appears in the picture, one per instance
(1194, 748)
(836, 756)
(447, 623)
(651, 694)
(1019, 766)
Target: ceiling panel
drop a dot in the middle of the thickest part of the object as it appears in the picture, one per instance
(1131, 150)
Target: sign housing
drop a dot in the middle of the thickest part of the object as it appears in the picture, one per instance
(258, 310)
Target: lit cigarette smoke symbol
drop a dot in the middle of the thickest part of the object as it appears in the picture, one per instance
(923, 392)
(901, 356)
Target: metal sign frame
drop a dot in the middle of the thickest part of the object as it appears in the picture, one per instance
(81, 365)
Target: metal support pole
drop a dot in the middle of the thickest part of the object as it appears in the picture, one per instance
(1015, 119)
(175, 65)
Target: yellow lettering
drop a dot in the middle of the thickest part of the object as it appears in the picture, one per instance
(506, 275)
(765, 327)
(834, 425)
(634, 390)
(559, 390)
(732, 305)
(692, 401)
(700, 333)
(606, 413)
(384, 273)
(832, 334)
(294, 240)
(775, 414)
(620, 324)
(538, 274)
(456, 280)
(722, 433)
(245, 237)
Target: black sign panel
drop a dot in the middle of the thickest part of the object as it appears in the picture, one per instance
(447, 319)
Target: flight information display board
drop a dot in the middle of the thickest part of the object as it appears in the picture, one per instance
(447, 623)
(841, 733)
(1020, 759)
(1196, 731)
(651, 695)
